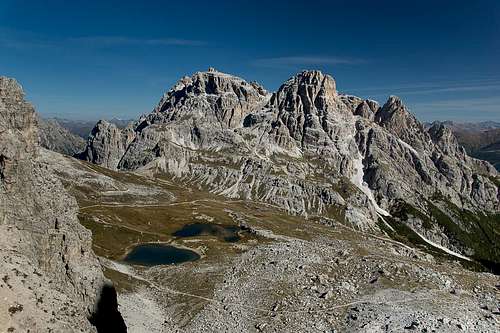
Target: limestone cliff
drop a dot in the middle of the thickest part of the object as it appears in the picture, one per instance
(107, 143)
(57, 138)
(50, 278)
(311, 150)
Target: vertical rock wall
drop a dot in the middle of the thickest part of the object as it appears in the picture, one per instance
(50, 279)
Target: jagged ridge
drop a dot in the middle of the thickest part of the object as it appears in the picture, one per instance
(306, 148)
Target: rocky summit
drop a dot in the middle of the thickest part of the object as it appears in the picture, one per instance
(314, 151)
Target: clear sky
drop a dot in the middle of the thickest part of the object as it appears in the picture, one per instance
(93, 59)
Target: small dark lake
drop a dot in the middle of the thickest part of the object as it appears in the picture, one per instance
(159, 254)
(228, 233)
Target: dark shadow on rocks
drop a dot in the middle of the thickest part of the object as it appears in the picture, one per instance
(106, 317)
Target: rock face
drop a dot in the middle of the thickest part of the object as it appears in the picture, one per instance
(310, 150)
(421, 162)
(50, 278)
(480, 140)
(222, 99)
(106, 144)
(55, 137)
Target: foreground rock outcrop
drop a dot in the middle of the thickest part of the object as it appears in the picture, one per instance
(313, 151)
(50, 278)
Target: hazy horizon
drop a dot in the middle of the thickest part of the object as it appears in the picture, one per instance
(117, 59)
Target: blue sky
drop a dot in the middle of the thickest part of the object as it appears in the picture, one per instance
(94, 59)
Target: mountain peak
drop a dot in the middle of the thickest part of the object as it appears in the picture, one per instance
(393, 99)
(9, 83)
(11, 90)
(212, 95)
(311, 73)
(442, 135)
(305, 90)
(394, 110)
(214, 74)
(395, 117)
(315, 78)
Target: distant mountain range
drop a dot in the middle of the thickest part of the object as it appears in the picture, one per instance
(82, 128)
(69, 137)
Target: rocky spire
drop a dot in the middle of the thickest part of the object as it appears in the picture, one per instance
(18, 123)
(304, 103)
(395, 117)
(365, 110)
(107, 143)
(445, 140)
(444, 137)
(304, 92)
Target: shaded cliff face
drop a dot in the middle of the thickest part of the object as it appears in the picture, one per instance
(50, 278)
(57, 138)
(480, 140)
(106, 144)
(313, 151)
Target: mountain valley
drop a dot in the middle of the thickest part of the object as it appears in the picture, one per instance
(302, 210)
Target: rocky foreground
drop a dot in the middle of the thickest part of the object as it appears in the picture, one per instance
(285, 274)
(51, 281)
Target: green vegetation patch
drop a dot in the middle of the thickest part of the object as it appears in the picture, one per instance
(337, 213)
(479, 232)
(495, 180)
(403, 211)
(464, 228)
(111, 241)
